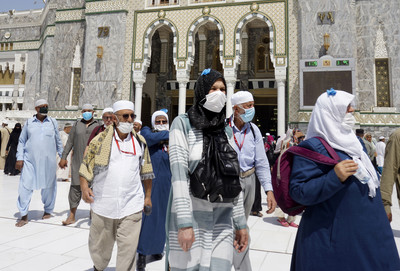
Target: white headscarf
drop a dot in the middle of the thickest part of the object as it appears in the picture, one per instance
(327, 122)
(155, 115)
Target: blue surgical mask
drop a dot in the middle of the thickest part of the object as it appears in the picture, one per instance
(248, 114)
(87, 115)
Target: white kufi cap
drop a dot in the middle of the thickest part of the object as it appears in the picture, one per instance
(121, 105)
(107, 110)
(87, 107)
(41, 102)
(138, 121)
(241, 97)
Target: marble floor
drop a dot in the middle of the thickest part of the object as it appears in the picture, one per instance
(44, 245)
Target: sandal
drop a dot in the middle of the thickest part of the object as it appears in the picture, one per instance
(294, 225)
(283, 222)
(259, 214)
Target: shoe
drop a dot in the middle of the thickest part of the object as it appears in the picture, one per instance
(157, 257)
(283, 222)
(141, 263)
(259, 214)
(294, 225)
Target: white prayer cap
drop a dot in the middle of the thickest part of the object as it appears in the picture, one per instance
(107, 110)
(156, 114)
(68, 124)
(267, 134)
(381, 137)
(138, 121)
(87, 107)
(121, 105)
(241, 97)
(40, 102)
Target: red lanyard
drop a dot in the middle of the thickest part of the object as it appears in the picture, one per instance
(133, 143)
(234, 137)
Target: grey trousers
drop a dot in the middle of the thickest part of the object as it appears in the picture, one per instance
(103, 234)
(241, 261)
(74, 196)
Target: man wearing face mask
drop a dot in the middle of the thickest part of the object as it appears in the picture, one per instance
(152, 235)
(249, 146)
(38, 143)
(107, 118)
(117, 163)
(137, 126)
(77, 141)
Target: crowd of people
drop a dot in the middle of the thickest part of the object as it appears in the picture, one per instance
(186, 190)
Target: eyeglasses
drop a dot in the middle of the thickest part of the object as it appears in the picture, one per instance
(107, 117)
(161, 121)
(126, 116)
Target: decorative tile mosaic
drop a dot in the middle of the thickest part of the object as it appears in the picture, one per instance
(70, 15)
(104, 6)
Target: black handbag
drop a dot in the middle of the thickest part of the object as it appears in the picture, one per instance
(216, 177)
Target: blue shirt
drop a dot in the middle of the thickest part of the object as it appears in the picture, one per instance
(252, 153)
(38, 146)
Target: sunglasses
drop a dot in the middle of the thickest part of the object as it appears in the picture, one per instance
(108, 117)
(126, 116)
(161, 121)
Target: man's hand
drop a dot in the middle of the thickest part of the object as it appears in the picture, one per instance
(241, 240)
(345, 169)
(87, 195)
(19, 165)
(271, 202)
(147, 201)
(389, 215)
(186, 238)
(63, 163)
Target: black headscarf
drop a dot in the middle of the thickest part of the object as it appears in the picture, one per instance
(17, 129)
(200, 117)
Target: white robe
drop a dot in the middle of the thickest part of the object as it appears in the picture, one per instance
(64, 173)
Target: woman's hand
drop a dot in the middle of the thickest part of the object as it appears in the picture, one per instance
(241, 240)
(186, 238)
(345, 169)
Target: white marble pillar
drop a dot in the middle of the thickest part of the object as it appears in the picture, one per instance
(182, 96)
(230, 88)
(138, 98)
(230, 79)
(281, 106)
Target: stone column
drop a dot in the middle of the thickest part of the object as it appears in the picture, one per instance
(182, 76)
(182, 96)
(280, 77)
(230, 78)
(244, 63)
(281, 106)
(138, 97)
(17, 81)
(202, 49)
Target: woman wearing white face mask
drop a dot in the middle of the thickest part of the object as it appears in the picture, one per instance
(201, 219)
(152, 235)
(344, 226)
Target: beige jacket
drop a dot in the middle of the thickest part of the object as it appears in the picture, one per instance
(391, 170)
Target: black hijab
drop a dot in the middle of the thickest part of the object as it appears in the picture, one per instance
(200, 117)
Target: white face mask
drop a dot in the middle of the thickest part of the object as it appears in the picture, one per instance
(349, 120)
(161, 127)
(125, 127)
(215, 101)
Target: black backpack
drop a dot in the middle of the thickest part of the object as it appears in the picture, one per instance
(216, 177)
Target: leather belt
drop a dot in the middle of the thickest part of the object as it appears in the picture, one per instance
(247, 173)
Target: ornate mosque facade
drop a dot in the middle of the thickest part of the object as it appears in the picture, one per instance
(286, 52)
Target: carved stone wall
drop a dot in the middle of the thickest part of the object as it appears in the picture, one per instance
(102, 77)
